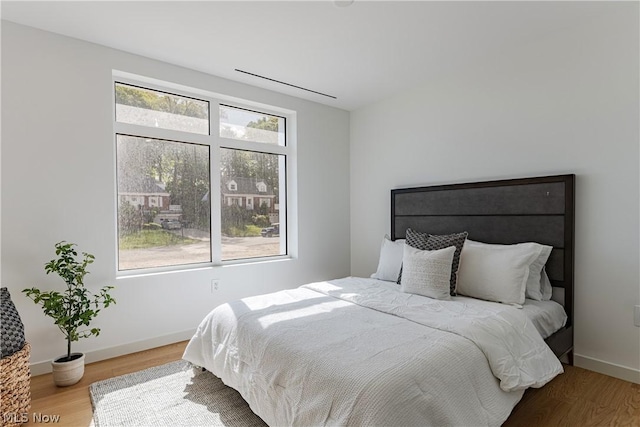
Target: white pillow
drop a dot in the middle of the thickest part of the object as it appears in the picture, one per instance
(427, 273)
(496, 272)
(545, 285)
(535, 283)
(390, 260)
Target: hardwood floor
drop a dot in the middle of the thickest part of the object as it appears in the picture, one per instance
(576, 398)
(73, 403)
(579, 398)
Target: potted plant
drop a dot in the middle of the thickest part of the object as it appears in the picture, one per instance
(72, 309)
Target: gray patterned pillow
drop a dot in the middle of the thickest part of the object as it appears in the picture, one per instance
(11, 327)
(444, 241)
(416, 240)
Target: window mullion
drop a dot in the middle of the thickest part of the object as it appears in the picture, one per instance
(158, 133)
(253, 146)
(216, 202)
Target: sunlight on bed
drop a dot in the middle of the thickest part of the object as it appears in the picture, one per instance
(312, 310)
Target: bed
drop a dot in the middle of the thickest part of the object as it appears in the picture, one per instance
(539, 209)
(361, 351)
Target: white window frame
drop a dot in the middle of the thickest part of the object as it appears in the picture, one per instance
(288, 172)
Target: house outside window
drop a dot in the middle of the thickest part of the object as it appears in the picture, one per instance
(167, 144)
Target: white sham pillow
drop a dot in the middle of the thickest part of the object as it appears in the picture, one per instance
(496, 272)
(427, 273)
(390, 260)
(535, 286)
(545, 285)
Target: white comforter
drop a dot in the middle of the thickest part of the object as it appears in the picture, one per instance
(359, 352)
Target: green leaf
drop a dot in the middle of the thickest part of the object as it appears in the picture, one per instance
(76, 306)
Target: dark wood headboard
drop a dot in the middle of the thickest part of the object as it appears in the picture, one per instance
(509, 211)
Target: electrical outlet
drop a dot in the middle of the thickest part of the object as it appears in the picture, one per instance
(636, 315)
(215, 283)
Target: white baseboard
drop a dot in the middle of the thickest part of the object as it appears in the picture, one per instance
(607, 368)
(40, 368)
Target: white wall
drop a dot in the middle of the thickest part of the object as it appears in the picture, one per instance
(567, 103)
(58, 179)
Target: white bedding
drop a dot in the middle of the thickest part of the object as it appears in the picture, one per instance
(358, 351)
(547, 316)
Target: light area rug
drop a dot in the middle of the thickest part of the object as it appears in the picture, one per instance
(175, 394)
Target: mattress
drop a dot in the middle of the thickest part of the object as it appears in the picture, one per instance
(358, 351)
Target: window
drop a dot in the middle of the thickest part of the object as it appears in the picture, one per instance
(169, 211)
(148, 166)
(246, 125)
(140, 106)
(155, 201)
(248, 168)
(265, 202)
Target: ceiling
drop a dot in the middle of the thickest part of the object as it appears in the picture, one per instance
(360, 54)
